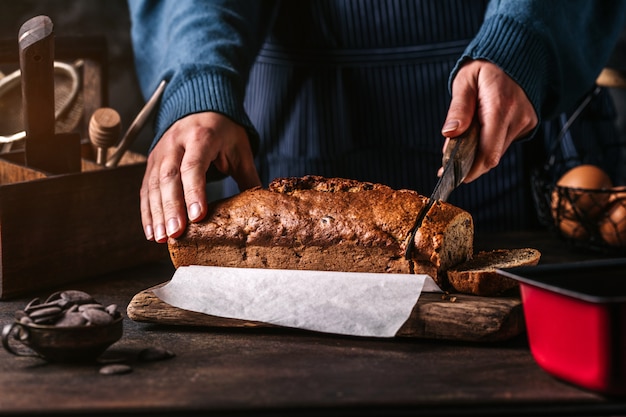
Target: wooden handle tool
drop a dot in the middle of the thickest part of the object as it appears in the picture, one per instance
(105, 128)
(54, 154)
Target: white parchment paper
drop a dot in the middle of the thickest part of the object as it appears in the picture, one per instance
(349, 303)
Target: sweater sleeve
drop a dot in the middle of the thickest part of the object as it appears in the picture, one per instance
(205, 50)
(553, 49)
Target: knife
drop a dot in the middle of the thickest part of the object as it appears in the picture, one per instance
(55, 154)
(457, 161)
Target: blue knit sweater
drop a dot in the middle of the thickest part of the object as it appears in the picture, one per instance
(553, 49)
(322, 85)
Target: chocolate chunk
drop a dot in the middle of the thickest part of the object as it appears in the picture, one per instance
(112, 310)
(48, 320)
(45, 312)
(53, 297)
(32, 304)
(97, 317)
(71, 319)
(153, 354)
(84, 307)
(115, 369)
(78, 297)
(62, 304)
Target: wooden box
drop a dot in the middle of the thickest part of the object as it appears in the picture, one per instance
(57, 229)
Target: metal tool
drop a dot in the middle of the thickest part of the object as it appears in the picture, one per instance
(457, 161)
(13, 81)
(55, 154)
(136, 126)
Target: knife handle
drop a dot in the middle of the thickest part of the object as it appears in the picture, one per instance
(463, 157)
(36, 51)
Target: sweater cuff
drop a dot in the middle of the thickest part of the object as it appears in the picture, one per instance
(194, 90)
(518, 52)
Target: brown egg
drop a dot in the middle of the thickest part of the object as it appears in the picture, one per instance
(612, 226)
(617, 193)
(584, 195)
(588, 177)
(573, 229)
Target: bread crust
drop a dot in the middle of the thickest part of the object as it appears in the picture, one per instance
(479, 276)
(322, 223)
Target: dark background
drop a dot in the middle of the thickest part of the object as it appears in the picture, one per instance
(109, 18)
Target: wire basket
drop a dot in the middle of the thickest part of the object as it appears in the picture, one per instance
(585, 218)
(592, 219)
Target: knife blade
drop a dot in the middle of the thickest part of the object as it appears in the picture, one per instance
(457, 161)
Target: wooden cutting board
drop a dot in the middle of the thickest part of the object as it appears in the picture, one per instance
(435, 316)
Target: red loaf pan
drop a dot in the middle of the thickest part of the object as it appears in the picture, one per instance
(576, 321)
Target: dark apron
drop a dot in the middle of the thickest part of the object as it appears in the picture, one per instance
(330, 95)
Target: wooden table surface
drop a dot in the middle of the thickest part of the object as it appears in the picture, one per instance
(285, 372)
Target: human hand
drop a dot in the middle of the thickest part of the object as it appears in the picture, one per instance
(173, 187)
(503, 110)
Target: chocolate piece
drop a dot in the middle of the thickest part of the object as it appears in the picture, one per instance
(115, 369)
(153, 354)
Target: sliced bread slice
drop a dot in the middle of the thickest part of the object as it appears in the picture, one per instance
(478, 276)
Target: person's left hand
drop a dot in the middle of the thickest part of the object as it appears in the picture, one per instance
(504, 112)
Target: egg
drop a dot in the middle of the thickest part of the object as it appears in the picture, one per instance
(612, 226)
(573, 229)
(583, 193)
(589, 177)
(617, 193)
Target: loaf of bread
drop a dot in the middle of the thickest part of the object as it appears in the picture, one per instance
(328, 224)
(479, 276)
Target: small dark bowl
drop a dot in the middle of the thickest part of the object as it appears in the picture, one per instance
(576, 321)
(62, 344)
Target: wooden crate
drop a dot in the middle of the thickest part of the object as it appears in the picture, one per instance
(57, 229)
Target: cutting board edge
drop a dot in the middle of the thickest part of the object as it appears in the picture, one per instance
(427, 321)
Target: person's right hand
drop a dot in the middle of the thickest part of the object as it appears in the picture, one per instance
(174, 184)
(481, 89)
